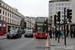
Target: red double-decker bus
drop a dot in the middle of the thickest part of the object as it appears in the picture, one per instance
(3, 26)
(41, 27)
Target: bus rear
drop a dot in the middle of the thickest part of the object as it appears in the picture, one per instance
(3, 26)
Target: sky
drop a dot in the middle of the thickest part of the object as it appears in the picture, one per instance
(31, 8)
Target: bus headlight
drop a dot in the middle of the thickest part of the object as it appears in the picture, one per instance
(35, 33)
(46, 34)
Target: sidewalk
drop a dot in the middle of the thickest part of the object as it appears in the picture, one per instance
(3, 36)
(70, 44)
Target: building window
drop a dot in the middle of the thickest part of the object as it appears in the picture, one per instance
(0, 4)
(65, 4)
(51, 5)
(3, 18)
(59, 8)
(68, 7)
(0, 10)
(62, 4)
(62, 12)
(65, 15)
(56, 8)
(8, 20)
(68, 4)
(62, 8)
(50, 12)
(56, 4)
(56, 12)
(59, 4)
(0, 17)
(50, 9)
(6, 13)
(10, 15)
(3, 12)
(62, 15)
(3, 5)
(66, 12)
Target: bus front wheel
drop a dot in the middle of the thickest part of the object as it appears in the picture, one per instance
(3, 33)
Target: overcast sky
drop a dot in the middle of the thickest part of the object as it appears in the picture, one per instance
(32, 8)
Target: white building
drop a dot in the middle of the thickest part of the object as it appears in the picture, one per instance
(27, 20)
(30, 22)
(55, 6)
(10, 15)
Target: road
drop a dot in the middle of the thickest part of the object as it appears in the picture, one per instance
(27, 43)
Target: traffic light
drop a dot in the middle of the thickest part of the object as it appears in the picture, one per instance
(58, 17)
(69, 13)
(54, 19)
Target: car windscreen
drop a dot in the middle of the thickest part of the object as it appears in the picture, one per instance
(28, 30)
(12, 31)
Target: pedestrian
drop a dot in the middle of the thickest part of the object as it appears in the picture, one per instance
(67, 32)
(50, 33)
(71, 32)
(74, 33)
(53, 33)
(62, 33)
(56, 34)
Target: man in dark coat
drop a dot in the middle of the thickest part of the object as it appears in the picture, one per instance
(67, 32)
(74, 33)
(71, 32)
(50, 33)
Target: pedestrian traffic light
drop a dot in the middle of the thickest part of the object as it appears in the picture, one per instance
(54, 19)
(69, 13)
(58, 17)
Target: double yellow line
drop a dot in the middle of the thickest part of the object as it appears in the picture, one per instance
(47, 44)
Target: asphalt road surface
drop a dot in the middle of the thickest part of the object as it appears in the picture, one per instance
(27, 43)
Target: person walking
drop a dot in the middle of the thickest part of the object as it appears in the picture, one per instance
(67, 32)
(50, 33)
(71, 32)
(53, 33)
(74, 33)
(62, 33)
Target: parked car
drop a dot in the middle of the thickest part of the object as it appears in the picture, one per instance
(14, 33)
(22, 31)
(28, 32)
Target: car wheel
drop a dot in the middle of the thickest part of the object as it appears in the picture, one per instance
(36, 37)
(8, 37)
(32, 35)
(20, 36)
(25, 36)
